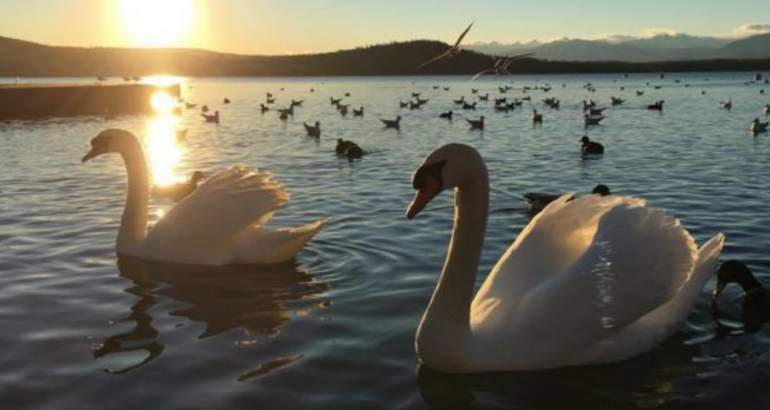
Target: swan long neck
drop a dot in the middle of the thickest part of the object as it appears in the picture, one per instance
(133, 224)
(444, 338)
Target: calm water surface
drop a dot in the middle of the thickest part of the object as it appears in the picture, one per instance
(334, 329)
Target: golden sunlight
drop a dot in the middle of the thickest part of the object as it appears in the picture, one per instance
(163, 103)
(163, 80)
(158, 23)
(163, 150)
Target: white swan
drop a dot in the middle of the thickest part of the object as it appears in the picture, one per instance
(221, 223)
(594, 280)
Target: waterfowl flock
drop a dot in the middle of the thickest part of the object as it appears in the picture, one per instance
(392, 123)
(657, 106)
(477, 124)
(214, 119)
(537, 201)
(494, 330)
(755, 306)
(313, 130)
(177, 192)
(758, 127)
(348, 149)
(590, 147)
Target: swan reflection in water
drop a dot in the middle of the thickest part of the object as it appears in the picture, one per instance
(257, 300)
(653, 379)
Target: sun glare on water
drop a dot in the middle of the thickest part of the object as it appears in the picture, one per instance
(163, 150)
(163, 103)
(158, 23)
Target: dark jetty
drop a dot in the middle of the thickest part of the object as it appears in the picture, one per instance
(34, 101)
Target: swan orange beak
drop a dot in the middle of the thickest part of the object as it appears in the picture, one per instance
(424, 195)
(93, 153)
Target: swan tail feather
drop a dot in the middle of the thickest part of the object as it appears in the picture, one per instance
(257, 245)
(676, 311)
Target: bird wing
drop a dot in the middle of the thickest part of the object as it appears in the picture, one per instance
(462, 36)
(511, 59)
(516, 57)
(434, 59)
(479, 74)
(230, 202)
(601, 262)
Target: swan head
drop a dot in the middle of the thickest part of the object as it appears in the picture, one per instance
(110, 140)
(448, 167)
(735, 271)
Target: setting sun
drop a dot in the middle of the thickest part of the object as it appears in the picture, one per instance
(158, 23)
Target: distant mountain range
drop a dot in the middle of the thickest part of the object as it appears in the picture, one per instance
(20, 58)
(662, 47)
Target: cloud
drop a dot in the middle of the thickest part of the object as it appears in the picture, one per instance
(654, 32)
(646, 33)
(751, 29)
(614, 38)
(746, 30)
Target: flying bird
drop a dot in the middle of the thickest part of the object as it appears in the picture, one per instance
(453, 51)
(501, 65)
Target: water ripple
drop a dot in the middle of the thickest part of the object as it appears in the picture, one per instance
(335, 328)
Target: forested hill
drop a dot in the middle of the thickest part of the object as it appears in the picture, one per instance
(25, 59)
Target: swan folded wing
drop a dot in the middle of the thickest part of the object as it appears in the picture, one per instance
(638, 260)
(552, 242)
(656, 326)
(229, 202)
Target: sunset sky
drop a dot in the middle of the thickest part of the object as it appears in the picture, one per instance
(301, 26)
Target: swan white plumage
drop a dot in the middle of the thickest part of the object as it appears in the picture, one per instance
(220, 223)
(593, 280)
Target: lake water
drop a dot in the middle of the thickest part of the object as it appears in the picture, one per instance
(334, 329)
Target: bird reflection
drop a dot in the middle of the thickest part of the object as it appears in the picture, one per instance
(144, 336)
(257, 300)
(585, 387)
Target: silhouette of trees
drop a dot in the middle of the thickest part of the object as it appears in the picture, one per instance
(22, 58)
